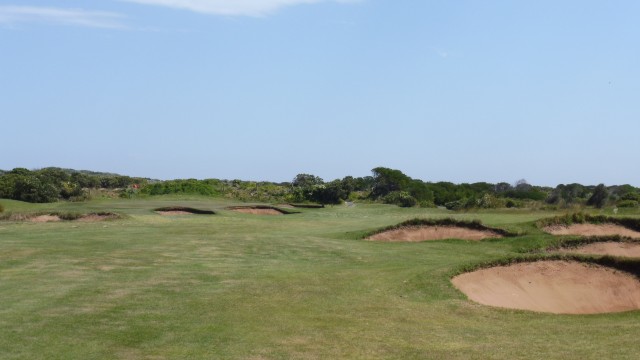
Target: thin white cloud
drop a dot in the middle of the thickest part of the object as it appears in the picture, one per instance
(233, 7)
(14, 15)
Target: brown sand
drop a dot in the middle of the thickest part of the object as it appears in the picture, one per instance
(592, 230)
(623, 249)
(425, 233)
(174, 212)
(558, 287)
(258, 211)
(45, 218)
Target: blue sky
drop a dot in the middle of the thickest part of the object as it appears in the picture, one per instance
(459, 91)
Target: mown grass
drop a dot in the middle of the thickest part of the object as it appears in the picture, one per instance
(232, 286)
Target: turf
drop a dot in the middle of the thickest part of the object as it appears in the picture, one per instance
(238, 286)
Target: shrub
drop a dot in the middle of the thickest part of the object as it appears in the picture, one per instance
(628, 204)
(400, 198)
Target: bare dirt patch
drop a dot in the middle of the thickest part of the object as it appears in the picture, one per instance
(559, 287)
(612, 248)
(426, 233)
(592, 230)
(45, 218)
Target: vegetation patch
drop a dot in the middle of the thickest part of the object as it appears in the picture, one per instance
(559, 286)
(182, 210)
(261, 210)
(437, 229)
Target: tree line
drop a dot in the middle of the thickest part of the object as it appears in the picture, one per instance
(385, 185)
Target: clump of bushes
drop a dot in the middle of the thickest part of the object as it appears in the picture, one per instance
(628, 204)
(400, 198)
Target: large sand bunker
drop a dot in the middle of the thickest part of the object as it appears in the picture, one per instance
(592, 230)
(430, 232)
(559, 287)
(611, 248)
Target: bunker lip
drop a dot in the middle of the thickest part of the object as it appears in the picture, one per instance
(182, 210)
(307, 206)
(417, 230)
(588, 229)
(552, 286)
(260, 210)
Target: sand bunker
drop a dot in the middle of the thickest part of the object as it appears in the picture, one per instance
(558, 287)
(612, 248)
(592, 230)
(45, 218)
(258, 211)
(425, 233)
(180, 210)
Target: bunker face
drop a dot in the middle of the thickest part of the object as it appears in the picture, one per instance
(558, 287)
(425, 233)
(592, 230)
(622, 249)
(45, 218)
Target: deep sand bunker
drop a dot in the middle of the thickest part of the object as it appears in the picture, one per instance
(82, 218)
(611, 248)
(558, 287)
(592, 230)
(430, 232)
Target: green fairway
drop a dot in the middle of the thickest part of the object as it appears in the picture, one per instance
(242, 286)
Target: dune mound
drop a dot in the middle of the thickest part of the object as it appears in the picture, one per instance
(559, 287)
(432, 232)
(588, 229)
(258, 210)
(611, 248)
(181, 210)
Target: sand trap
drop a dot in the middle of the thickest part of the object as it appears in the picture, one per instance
(181, 210)
(45, 218)
(174, 212)
(425, 233)
(558, 287)
(592, 230)
(612, 248)
(256, 211)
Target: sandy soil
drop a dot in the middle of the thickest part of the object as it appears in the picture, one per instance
(45, 218)
(424, 233)
(612, 248)
(174, 212)
(558, 287)
(258, 211)
(592, 230)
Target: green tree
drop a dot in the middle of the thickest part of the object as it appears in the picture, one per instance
(599, 197)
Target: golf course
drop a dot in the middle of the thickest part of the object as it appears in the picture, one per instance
(198, 279)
